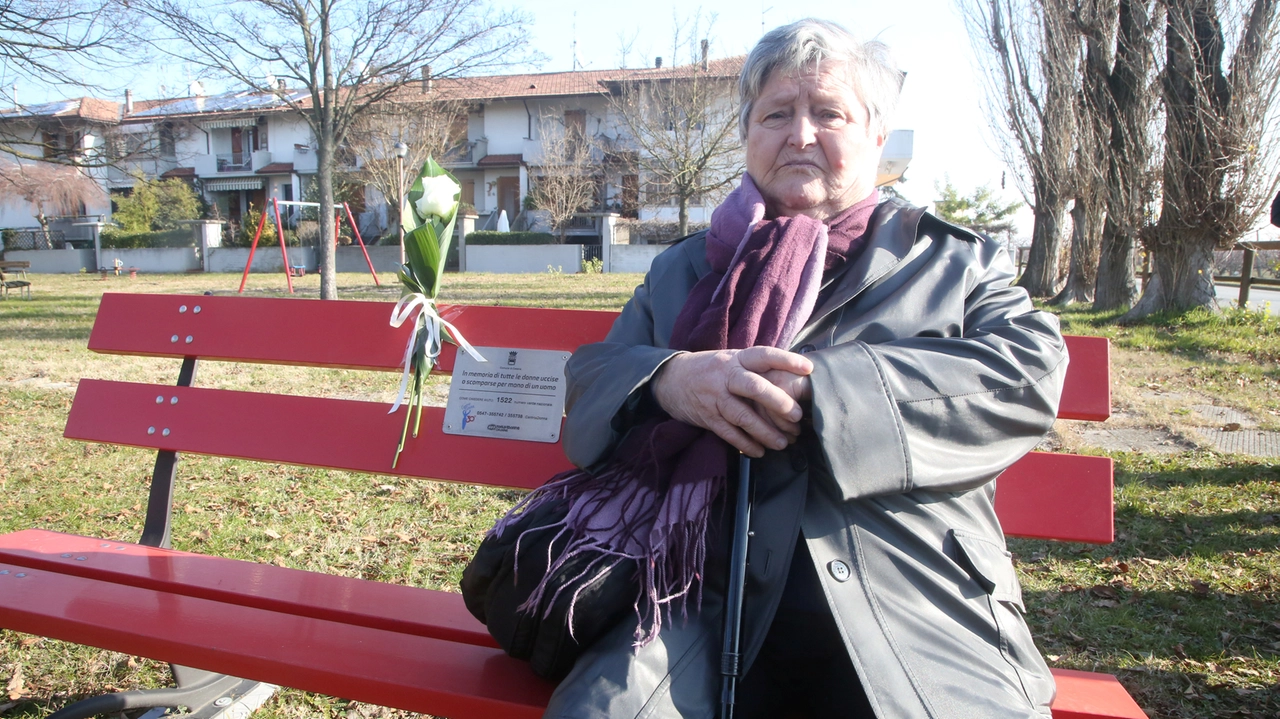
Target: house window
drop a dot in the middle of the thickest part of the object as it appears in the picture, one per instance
(575, 123)
(51, 146)
(469, 192)
(168, 145)
(630, 196)
(260, 138)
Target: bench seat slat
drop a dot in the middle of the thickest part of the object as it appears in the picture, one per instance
(318, 333)
(1049, 496)
(409, 610)
(134, 600)
(371, 665)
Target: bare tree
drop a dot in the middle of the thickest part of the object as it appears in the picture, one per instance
(49, 188)
(347, 55)
(51, 42)
(427, 126)
(1220, 154)
(567, 181)
(1091, 19)
(1029, 52)
(1129, 108)
(681, 124)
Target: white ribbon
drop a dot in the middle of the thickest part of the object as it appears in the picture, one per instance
(434, 324)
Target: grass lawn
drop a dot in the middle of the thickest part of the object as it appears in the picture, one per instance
(1183, 606)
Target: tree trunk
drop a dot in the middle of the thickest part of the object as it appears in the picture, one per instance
(325, 155)
(325, 251)
(1040, 279)
(683, 217)
(1181, 279)
(1116, 287)
(1128, 183)
(1084, 255)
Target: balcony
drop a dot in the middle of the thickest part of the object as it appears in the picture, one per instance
(466, 154)
(231, 163)
(235, 162)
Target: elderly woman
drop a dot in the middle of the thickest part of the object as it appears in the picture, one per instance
(881, 370)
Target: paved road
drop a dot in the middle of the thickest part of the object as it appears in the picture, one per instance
(1259, 297)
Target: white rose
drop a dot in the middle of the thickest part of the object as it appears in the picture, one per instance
(437, 197)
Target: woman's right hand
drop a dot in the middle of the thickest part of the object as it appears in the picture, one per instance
(730, 393)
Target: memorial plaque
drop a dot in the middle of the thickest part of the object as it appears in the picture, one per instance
(517, 394)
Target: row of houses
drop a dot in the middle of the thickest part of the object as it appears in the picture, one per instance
(244, 148)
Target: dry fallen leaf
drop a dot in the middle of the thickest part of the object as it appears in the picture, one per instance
(1231, 427)
(16, 686)
(272, 533)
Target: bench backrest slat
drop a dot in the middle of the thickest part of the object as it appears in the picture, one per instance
(308, 431)
(357, 335)
(317, 333)
(1049, 496)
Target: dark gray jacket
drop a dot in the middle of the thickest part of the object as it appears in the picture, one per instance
(931, 375)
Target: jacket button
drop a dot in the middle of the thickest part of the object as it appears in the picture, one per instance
(806, 349)
(798, 461)
(839, 570)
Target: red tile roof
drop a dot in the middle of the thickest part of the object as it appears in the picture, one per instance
(581, 82)
(500, 160)
(89, 108)
(183, 172)
(276, 168)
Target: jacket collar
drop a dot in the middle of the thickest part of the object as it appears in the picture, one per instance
(893, 229)
(893, 232)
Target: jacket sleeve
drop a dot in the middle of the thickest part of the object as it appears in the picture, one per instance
(608, 381)
(952, 405)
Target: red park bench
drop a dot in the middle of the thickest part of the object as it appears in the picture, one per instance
(397, 646)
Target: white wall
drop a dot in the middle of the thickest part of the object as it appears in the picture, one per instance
(266, 259)
(155, 259)
(524, 258)
(55, 261)
(506, 125)
(385, 258)
(633, 258)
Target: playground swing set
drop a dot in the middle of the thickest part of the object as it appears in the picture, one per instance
(340, 210)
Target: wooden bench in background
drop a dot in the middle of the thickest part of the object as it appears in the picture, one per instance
(397, 646)
(23, 286)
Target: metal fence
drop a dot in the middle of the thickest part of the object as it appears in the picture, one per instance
(34, 239)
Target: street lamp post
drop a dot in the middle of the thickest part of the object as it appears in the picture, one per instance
(401, 150)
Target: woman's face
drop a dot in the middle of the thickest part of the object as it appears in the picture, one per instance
(810, 149)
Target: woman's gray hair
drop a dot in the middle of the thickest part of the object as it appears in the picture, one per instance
(808, 43)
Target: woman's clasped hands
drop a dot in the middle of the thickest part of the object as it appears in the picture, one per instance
(751, 398)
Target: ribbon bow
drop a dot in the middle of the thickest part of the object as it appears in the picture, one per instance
(427, 320)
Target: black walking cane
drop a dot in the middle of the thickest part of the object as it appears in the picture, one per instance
(730, 660)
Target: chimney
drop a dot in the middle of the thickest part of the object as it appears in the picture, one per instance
(426, 79)
(16, 104)
(657, 61)
(704, 54)
(280, 84)
(128, 102)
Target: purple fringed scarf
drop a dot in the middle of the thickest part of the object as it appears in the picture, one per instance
(652, 502)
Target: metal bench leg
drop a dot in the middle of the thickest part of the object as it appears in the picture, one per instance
(205, 694)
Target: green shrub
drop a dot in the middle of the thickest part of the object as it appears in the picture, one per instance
(490, 237)
(114, 239)
(156, 205)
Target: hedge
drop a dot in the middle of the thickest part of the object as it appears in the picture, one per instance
(121, 240)
(490, 237)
